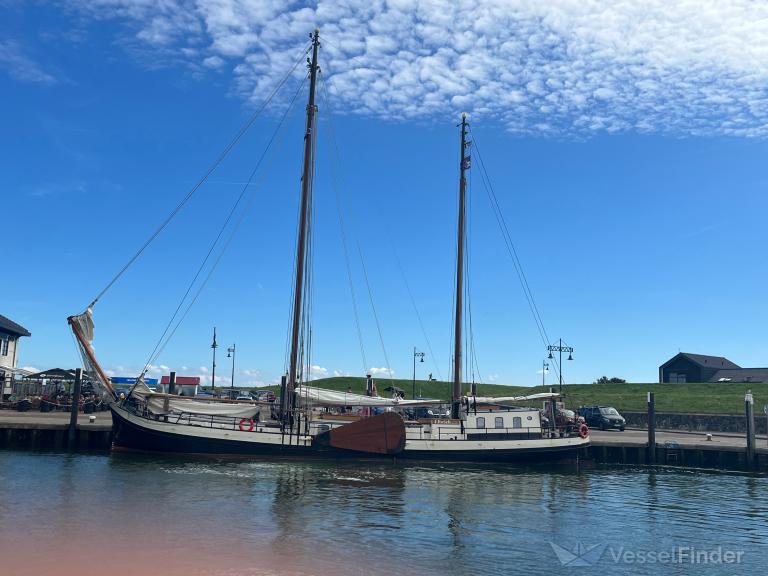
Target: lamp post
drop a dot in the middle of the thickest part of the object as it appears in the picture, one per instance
(560, 348)
(416, 354)
(544, 370)
(214, 345)
(231, 354)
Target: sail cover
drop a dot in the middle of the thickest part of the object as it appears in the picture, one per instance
(156, 404)
(498, 399)
(323, 397)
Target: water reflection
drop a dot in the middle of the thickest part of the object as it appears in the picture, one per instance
(237, 518)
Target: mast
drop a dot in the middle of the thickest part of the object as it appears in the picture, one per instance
(456, 391)
(303, 236)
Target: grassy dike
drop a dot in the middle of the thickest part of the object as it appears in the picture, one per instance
(726, 398)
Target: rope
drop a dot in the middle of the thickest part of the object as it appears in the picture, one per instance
(163, 341)
(512, 251)
(339, 212)
(202, 180)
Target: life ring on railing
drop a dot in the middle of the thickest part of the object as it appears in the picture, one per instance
(583, 430)
(246, 423)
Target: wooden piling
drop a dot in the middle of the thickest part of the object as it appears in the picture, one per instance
(75, 406)
(749, 407)
(167, 400)
(651, 428)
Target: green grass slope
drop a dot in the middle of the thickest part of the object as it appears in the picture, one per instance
(725, 398)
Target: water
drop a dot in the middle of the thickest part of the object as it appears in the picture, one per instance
(126, 514)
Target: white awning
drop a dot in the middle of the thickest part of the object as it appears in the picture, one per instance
(21, 371)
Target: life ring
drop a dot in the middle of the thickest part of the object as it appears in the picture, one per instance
(246, 423)
(583, 430)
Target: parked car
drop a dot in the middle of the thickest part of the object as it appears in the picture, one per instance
(264, 396)
(603, 417)
(244, 396)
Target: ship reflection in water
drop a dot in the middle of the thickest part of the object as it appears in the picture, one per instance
(62, 515)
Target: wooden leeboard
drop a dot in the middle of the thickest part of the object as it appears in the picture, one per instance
(382, 434)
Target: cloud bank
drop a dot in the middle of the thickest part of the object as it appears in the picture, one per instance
(560, 67)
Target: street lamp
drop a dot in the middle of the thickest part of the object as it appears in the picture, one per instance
(560, 348)
(231, 354)
(544, 370)
(416, 354)
(214, 345)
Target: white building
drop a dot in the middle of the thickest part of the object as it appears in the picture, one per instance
(10, 332)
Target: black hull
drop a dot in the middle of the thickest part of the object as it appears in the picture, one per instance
(130, 436)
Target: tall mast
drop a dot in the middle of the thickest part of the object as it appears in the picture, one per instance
(456, 391)
(304, 214)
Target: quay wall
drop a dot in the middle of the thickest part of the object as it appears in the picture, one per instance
(736, 423)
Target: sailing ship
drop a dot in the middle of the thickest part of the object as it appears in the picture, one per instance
(314, 422)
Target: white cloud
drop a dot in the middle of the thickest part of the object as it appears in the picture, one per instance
(31, 369)
(20, 66)
(554, 67)
(381, 371)
(316, 372)
(493, 377)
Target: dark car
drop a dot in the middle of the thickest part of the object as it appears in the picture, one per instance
(603, 417)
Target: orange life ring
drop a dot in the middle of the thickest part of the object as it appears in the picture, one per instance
(583, 430)
(249, 426)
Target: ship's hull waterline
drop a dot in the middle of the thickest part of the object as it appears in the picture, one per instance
(132, 432)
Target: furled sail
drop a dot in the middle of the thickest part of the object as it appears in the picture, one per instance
(82, 327)
(309, 395)
(156, 404)
(500, 399)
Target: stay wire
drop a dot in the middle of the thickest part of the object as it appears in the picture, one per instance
(202, 180)
(496, 207)
(163, 341)
(340, 213)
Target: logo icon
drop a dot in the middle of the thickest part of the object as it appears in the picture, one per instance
(580, 555)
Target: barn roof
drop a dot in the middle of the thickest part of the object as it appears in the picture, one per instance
(706, 361)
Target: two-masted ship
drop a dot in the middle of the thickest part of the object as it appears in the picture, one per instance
(311, 422)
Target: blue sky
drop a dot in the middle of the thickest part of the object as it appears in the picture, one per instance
(626, 145)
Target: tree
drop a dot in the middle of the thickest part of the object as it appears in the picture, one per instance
(606, 380)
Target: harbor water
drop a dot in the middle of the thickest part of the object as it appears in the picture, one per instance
(120, 514)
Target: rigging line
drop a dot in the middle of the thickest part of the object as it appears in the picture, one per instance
(511, 248)
(373, 308)
(415, 308)
(161, 344)
(200, 182)
(340, 213)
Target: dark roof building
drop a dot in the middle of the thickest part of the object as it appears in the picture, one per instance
(10, 327)
(686, 367)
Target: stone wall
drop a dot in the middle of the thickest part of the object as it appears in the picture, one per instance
(696, 422)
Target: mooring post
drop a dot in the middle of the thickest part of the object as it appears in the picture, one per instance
(168, 392)
(651, 428)
(749, 405)
(74, 407)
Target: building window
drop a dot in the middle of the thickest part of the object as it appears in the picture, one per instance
(677, 378)
(517, 422)
(4, 345)
(498, 422)
(480, 422)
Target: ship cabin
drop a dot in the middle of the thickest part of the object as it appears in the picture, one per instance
(503, 423)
